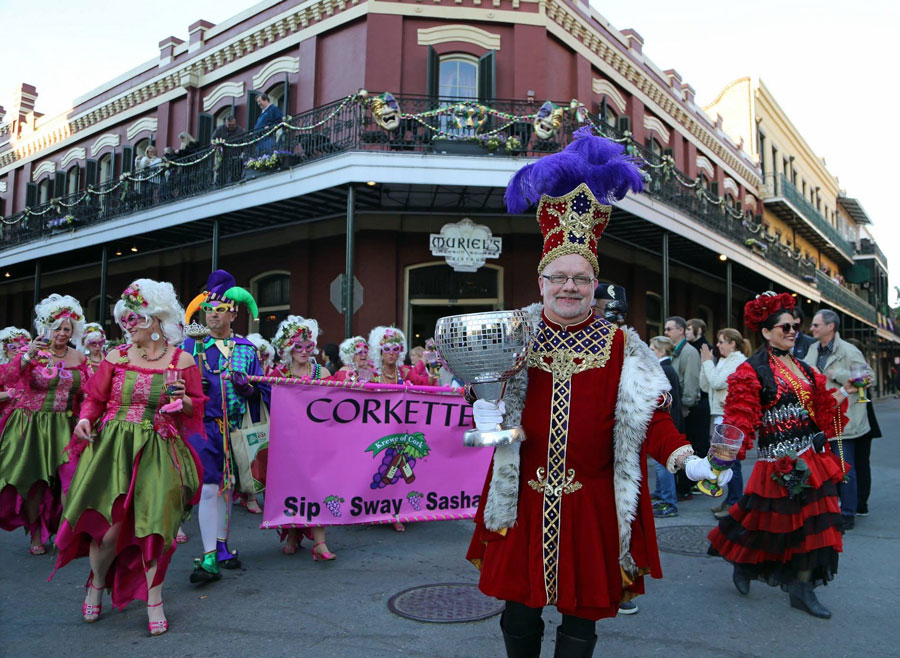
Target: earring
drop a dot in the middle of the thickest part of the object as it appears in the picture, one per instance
(154, 336)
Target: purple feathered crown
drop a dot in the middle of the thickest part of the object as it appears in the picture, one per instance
(599, 163)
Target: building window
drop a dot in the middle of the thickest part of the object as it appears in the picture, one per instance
(609, 116)
(458, 78)
(653, 304)
(44, 191)
(72, 179)
(278, 97)
(226, 111)
(106, 168)
(705, 313)
(272, 292)
(655, 147)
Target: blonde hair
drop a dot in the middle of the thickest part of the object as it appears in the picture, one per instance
(663, 344)
(735, 336)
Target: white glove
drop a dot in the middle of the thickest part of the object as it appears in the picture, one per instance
(700, 469)
(487, 415)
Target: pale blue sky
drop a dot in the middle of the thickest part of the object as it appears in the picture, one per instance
(831, 65)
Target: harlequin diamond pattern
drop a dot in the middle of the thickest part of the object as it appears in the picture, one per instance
(556, 469)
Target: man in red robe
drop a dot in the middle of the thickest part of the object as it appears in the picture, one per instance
(566, 518)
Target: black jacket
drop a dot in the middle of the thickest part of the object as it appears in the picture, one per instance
(677, 418)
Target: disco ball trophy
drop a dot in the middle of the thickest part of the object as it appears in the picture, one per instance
(485, 350)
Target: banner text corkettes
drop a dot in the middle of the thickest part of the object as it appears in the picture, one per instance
(345, 453)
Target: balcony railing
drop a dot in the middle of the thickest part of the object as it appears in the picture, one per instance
(870, 248)
(843, 297)
(779, 186)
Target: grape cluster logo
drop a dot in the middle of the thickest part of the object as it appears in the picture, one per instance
(415, 499)
(401, 451)
(333, 503)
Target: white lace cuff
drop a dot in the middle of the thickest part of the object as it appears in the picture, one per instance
(670, 462)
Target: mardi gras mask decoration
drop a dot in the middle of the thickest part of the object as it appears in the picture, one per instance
(386, 111)
(361, 349)
(548, 120)
(468, 116)
(131, 320)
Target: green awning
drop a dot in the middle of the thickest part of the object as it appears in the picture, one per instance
(858, 274)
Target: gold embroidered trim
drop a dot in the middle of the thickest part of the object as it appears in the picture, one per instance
(569, 484)
(570, 354)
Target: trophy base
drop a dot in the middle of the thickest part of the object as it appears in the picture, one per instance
(501, 436)
(710, 488)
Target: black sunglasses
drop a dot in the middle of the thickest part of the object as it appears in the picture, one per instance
(787, 326)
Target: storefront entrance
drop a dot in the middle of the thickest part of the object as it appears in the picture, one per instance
(433, 290)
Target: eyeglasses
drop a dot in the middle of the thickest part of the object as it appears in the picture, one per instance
(95, 343)
(218, 308)
(303, 346)
(362, 349)
(560, 279)
(787, 326)
(392, 348)
(131, 320)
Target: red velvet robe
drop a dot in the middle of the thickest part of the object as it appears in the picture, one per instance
(579, 572)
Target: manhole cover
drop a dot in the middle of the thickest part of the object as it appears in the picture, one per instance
(683, 539)
(444, 603)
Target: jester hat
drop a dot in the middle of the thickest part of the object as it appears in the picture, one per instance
(572, 190)
(220, 287)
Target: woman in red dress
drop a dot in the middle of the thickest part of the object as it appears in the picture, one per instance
(387, 349)
(94, 343)
(357, 366)
(785, 530)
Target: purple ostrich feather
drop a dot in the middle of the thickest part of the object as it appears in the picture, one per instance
(600, 163)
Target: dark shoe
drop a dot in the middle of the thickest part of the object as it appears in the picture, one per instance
(804, 598)
(206, 570)
(573, 647)
(741, 580)
(848, 522)
(227, 559)
(628, 608)
(523, 646)
(721, 515)
(665, 511)
(862, 510)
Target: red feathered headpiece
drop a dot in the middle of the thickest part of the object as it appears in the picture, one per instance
(757, 310)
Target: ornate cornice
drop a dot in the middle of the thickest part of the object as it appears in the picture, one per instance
(731, 186)
(285, 64)
(76, 153)
(657, 126)
(109, 139)
(224, 90)
(707, 166)
(46, 167)
(455, 32)
(139, 126)
(605, 87)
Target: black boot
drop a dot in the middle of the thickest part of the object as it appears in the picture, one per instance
(741, 580)
(804, 598)
(523, 646)
(573, 647)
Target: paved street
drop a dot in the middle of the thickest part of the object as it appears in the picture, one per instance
(289, 606)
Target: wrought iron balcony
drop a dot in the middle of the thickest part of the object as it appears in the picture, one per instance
(870, 248)
(843, 297)
(786, 201)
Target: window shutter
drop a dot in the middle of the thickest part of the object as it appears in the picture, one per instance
(286, 97)
(487, 75)
(31, 194)
(59, 185)
(252, 109)
(113, 159)
(205, 123)
(432, 74)
(127, 159)
(669, 152)
(623, 124)
(739, 206)
(714, 188)
(90, 173)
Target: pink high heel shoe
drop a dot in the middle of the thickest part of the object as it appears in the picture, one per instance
(157, 627)
(91, 613)
(321, 556)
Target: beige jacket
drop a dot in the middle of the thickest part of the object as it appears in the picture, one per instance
(714, 380)
(837, 371)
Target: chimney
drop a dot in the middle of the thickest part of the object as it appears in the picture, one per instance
(197, 32)
(23, 101)
(167, 49)
(635, 40)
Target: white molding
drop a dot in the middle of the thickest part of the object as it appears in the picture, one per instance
(608, 89)
(2, 186)
(76, 153)
(657, 126)
(704, 164)
(465, 33)
(147, 123)
(224, 90)
(731, 186)
(46, 167)
(285, 64)
(109, 139)
(750, 201)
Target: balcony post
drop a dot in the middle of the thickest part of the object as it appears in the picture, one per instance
(215, 245)
(348, 273)
(728, 296)
(101, 307)
(37, 282)
(665, 274)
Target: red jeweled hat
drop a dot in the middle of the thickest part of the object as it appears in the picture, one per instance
(571, 190)
(757, 310)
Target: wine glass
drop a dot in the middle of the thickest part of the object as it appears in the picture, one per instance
(171, 380)
(859, 377)
(724, 445)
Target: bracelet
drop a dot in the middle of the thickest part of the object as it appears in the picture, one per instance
(843, 392)
(26, 358)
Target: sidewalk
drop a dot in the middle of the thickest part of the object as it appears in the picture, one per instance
(289, 606)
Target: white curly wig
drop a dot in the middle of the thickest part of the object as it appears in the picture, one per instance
(6, 335)
(154, 299)
(93, 331)
(52, 310)
(265, 346)
(347, 349)
(382, 335)
(290, 327)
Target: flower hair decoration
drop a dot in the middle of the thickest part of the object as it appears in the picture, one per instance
(757, 310)
(134, 299)
(60, 312)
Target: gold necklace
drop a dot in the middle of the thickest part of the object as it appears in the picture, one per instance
(393, 379)
(155, 358)
(59, 356)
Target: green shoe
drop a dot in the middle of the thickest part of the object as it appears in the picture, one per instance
(207, 569)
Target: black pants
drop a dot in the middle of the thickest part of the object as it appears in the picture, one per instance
(520, 620)
(863, 472)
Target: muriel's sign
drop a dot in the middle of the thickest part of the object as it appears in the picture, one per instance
(465, 245)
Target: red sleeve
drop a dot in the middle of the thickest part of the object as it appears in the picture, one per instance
(339, 376)
(742, 406)
(830, 416)
(663, 438)
(192, 425)
(96, 392)
(417, 375)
